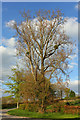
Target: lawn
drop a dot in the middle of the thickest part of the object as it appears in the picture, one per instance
(24, 113)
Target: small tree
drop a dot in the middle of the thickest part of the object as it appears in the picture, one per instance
(14, 84)
(72, 94)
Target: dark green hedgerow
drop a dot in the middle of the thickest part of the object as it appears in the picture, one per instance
(8, 106)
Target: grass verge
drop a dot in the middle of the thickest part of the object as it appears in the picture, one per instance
(24, 113)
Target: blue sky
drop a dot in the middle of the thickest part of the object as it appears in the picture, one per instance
(11, 11)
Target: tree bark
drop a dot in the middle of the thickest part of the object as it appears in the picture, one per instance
(61, 94)
(17, 105)
(43, 84)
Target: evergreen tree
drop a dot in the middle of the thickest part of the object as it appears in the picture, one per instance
(72, 93)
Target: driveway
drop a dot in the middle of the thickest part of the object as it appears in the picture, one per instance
(5, 116)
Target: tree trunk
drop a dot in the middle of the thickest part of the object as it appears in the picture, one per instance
(61, 94)
(42, 106)
(43, 84)
(17, 105)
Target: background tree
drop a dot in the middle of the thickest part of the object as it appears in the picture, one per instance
(72, 94)
(44, 45)
(60, 85)
(7, 99)
(67, 92)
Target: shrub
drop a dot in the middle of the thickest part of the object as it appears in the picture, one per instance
(76, 102)
(33, 107)
(22, 106)
(49, 110)
(29, 107)
(8, 106)
(72, 109)
(49, 107)
(67, 103)
(60, 106)
(56, 107)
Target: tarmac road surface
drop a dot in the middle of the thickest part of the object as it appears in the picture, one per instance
(5, 116)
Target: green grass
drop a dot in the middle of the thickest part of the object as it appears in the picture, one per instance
(24, 113)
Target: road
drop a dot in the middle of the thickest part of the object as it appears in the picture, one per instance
(5, 116)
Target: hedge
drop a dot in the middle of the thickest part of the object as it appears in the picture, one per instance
(8, 106)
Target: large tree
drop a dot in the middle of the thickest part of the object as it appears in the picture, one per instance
(44, 45)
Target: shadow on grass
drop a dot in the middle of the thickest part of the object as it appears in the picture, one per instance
(39, 119)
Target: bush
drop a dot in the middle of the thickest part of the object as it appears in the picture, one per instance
(33, 107)
(72, 109)
(49, 107)
(8, 106)
(76, 102)
(67, 103)
(22, 106)
(60, 107)
(29, 107)
(56, 107)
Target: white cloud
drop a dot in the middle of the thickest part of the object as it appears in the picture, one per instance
(76, 6)
(73, 63)
(9, 42)
(72, 56)
(71, 27)
(11, 24)
(70, 66)
(74, 85)
(8, 52)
